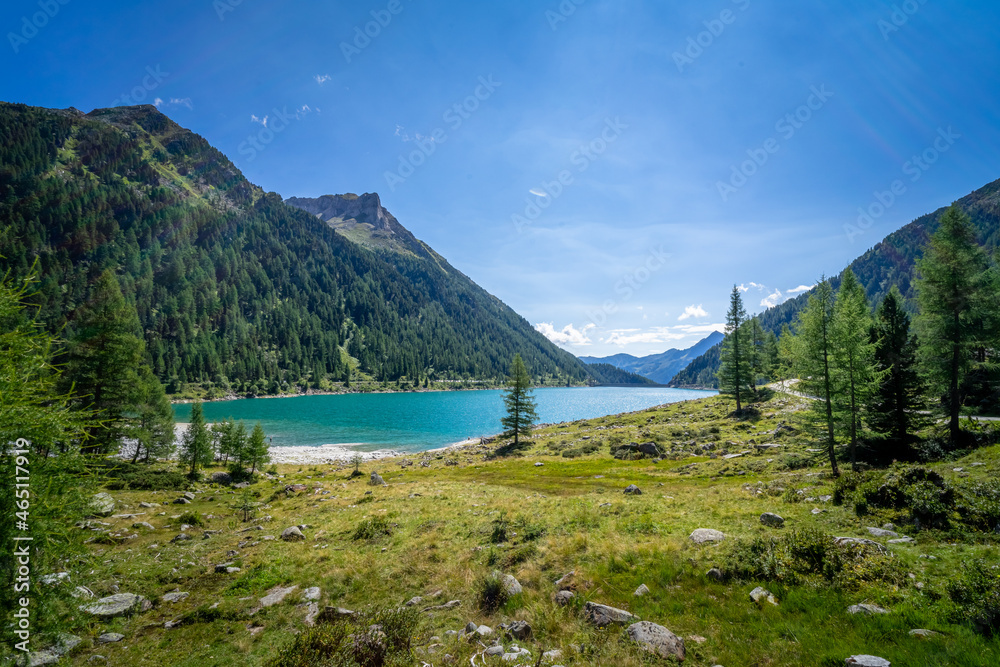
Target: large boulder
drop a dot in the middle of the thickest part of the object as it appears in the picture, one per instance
(632, 490)
(656, 639)
(221, 477)
(510, 583)
(376, 480)
(760, 595)
(102, 504)
(292, 534)
(120, 604)
(602, 615)
(772, 520)
(707, 536)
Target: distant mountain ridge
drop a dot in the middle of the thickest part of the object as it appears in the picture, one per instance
(661, 368)
(890, 262)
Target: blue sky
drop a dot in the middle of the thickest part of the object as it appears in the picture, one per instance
(574, 158)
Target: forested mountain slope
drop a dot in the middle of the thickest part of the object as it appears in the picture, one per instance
(890, 262)
(232, 286)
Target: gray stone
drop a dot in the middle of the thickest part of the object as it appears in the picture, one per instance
(333, 614)
(924, 634)
(632, 490)
(707, 535)
(376, 480)
(181, 537)
(414, 601)
(642, 590)
(143, 524)
(222, 478)
(470, 627)
(866, 609)
(867, 661)
(102, 504)
(563, 598)
(772, 520)
(715, 574)
(494, 650)
(519, 630)
(292, 534)
(656, 639)
(451, 604)
(175, 596)
(842, 541)
(484, 631)
(110, 638)
(510, 584)
(311, 593)
(564, 581)
(276, 595)
(880, 532)
(760, 595)
(602, 615)
(54, 578)
(902, 540)
(553, 655)
(182, 501)
(120, 604)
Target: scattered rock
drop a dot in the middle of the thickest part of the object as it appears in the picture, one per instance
(902, 540)
(866, 609)
(553, 655)
(102, 504)
(563, 598)
(441, 607)
(181, 537)
(119, 604)
(376, 480)
(334, 614)
(642, 590)
(715, 574)
(143, 524)
(182, 501)
(221, 478)
(292, 534)
(632, 490)
(563, 583)
(603, 615)
(311, 593)
(924, 634)
(881, 532)
(772, 520)
(761, 595)
(707, 535)
(110, 638)
(539, 464)
(860, 540)
(519, 630)
(657, 639)
(175, 596)
(276, 595)
(414, 601)
(510, 584)
(867, 661)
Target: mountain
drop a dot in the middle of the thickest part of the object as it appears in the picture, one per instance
(890, 262)
(608, 374)
(661, 367)
(234, 288)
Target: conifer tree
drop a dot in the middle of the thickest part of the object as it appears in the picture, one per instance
(734, 367)
(894, 411)
(954, 302)
(257, 452)
(813, 354)
(519, 403)
(153, 423)
(196, 445)
(856, 376)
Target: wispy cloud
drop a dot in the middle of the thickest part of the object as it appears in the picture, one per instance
(692, 311)
(322, 78)
(538, 193)
(625, 337)
(773, 299)
(255, 119)
(569, 335)
(174, 101)
(800, 289)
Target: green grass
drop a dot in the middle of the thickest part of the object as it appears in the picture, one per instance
(448, 527)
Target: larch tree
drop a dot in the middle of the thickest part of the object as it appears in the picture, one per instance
(196, 445)
(952, 293)
(855, 374)
(734, 365)
(813, 353)
(257, 452)
(519, 403)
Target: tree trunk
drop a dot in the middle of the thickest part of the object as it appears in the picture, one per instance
(955, 403)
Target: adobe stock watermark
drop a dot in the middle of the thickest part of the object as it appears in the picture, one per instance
(914, 168)
(697, 44)
(22, 545)
(154, 77)
(363, 35)
(273, 125)
(31, 25)
(454, 117)
(223, 7)
(629, 284)
(563, 11)
(548, 191)
(786, 127)
(899, 17)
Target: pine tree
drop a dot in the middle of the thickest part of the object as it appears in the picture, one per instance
(813, 351)
(734, 372)
(257, 451)
(758, 360)
(519, 403)
(951, 282)
(855, 374)
(104, 360)
(894, 411)
(196, 445)
(153, 424)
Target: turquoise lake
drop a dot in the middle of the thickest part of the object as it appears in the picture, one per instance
(419, 421)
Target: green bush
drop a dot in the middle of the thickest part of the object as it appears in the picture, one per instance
(491, 594)
(499, 529)
(373, 529)
(125, 476)
(379, 638)
(976, 596)
(191, 518)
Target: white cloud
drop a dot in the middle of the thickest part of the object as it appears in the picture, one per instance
(538, 193)
(692, 311)
(402, 133)
(174, 101)
(569, 335)
(746, 287)
(773, 299)
(322, 78)
(800, 289)
(157, 102)
(624, 337)
(255, 119)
